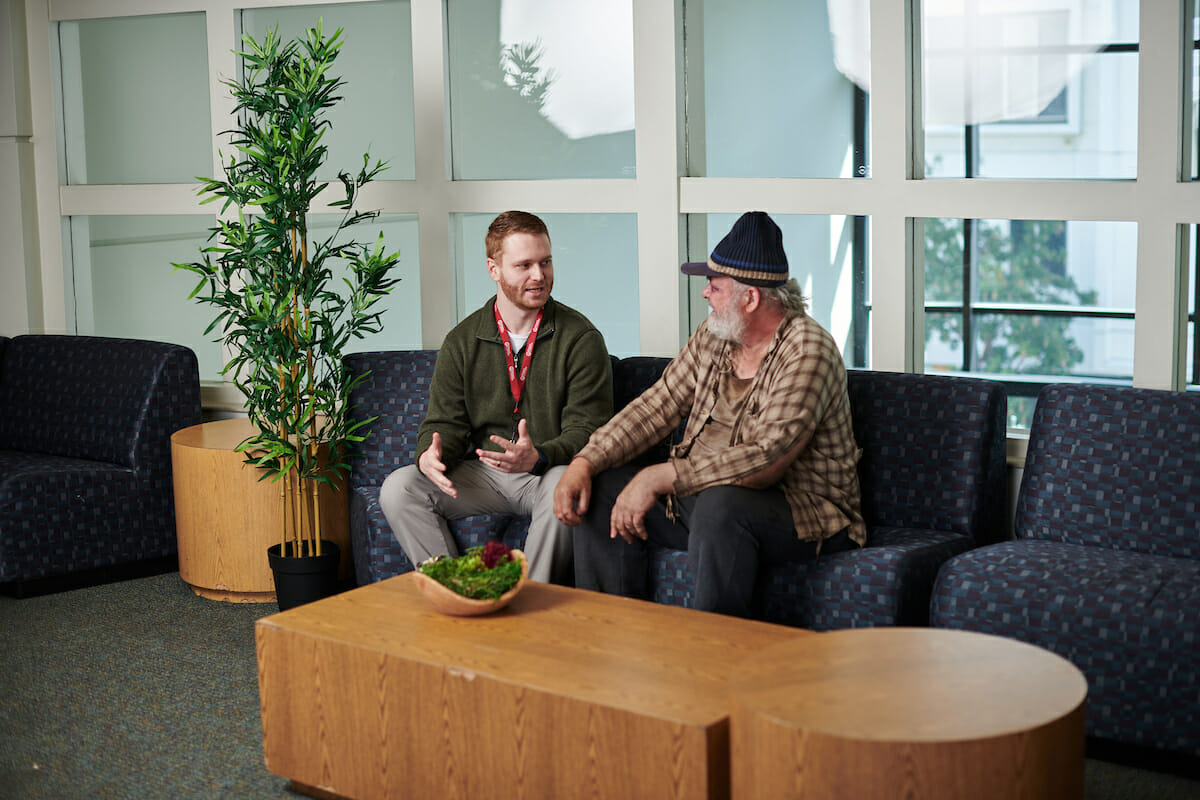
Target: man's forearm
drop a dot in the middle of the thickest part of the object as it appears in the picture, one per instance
(658, 478)
(773, 474)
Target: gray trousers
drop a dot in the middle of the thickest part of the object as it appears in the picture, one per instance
(417, 511)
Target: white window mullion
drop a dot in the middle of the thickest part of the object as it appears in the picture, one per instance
(1159, 338)
(222, 27)
(51, 316)
(897, 294)
(658, 111)
(438, 285)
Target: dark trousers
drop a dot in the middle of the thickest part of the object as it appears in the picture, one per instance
(727, 531)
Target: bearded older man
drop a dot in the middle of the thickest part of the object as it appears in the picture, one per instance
(767, 468)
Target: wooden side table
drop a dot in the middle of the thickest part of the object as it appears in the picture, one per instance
(907, 712)
(225, 518)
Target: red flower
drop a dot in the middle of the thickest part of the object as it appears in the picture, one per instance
(493, 553)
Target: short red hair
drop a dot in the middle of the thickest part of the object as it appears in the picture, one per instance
(508, 223)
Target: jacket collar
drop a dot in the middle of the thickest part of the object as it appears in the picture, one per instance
(487, 321)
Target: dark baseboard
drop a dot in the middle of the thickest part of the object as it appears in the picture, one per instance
(1185, 765)
(52, 584)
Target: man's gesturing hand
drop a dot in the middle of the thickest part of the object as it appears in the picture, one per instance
(518, 456)
(574, 492)
(431, 465)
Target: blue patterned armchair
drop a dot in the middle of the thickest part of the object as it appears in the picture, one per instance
(1105, 568)
(85, 452)
(932, 476)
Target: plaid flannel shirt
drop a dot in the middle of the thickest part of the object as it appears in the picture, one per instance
(798, 397)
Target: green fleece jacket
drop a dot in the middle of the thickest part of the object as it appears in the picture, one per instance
(568, 393)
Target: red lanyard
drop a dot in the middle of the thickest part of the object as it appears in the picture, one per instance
(517, 382)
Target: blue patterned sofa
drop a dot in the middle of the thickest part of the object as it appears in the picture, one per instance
(85, 453)
(932, 477)
(932, 474)
(1105, 567)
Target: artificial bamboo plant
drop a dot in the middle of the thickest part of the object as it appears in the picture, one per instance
(284, 313)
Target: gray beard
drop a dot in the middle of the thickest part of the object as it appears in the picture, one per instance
(726, 326)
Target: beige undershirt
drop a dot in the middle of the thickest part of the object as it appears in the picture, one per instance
(717, 432)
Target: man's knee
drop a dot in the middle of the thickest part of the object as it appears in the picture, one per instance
(606, 486)
(398, 489)
(720, 508)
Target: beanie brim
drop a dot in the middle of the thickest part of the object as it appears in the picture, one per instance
(750, 277)
(698, 268)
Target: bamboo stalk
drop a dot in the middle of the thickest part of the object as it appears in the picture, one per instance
(297, 514)
(302, 506)
(296, 320)
(283, 518)
(316, 501)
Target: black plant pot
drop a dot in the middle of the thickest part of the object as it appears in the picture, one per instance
(302, 579)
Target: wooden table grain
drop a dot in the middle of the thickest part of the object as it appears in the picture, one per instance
(565, 693)
(907, 713)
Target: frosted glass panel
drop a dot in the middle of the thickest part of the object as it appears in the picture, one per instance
(773, 99)
(595, 270)
(402, 307)
(376, 111)
(135, 90)
(1046, 89)
(541, 88)
(124, 284)
(820, 257)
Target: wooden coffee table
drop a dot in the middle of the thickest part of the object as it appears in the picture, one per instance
(907, 712)
(565, 693)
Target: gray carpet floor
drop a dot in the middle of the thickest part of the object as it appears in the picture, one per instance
(142, 690)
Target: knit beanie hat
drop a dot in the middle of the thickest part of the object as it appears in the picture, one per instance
(752, 253)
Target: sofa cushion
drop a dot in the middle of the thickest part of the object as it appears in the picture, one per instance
(933, 452)
(60, 515)
(78, 396)
(377, 552)
(1114, 467)
(395, 392)
(1128, 620)
(631, 377)
(886, 583)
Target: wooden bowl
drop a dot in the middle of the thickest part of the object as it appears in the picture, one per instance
(447, 601)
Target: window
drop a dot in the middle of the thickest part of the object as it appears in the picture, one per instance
(1030, 302)
(541, 89)
(1030, 91)
(781, 89)
(402, 307)
(375, 63)
(743, 104)
(776, 92)
(135, 99)
(1020, 90)
(123, 283)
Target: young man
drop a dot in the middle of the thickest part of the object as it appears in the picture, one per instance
(518, 388)
(767, 469)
